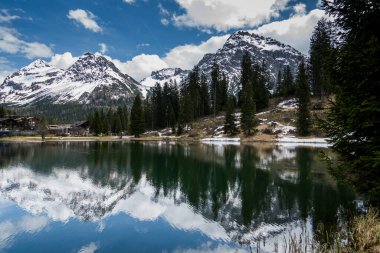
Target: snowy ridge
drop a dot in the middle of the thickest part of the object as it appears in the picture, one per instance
(168, 75)
(262, 49)
(91, 79)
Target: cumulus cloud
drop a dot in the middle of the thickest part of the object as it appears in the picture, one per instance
(187, 56)
(63, 61)
(5, 17)
(85, 18)
(223, 15)
(140, 66)
(11, 43)
(129, 1)
(295, 31)
(299, 9)
(103, 48)
(164, 21)
(90, 248)
(26, 224)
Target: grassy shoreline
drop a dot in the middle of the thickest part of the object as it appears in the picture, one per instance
(38, 139)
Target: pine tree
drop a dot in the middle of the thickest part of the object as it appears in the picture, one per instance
(215, 79)
(230, 120)
(303, 96)
(320, 60)
(125, 125)
(204, 95)
(117, 124)
(287, 88)
(137, 117)
(278, 83)
(2, 112)
(248, 107)
(353, 122)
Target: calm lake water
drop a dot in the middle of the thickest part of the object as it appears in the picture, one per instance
(158, 197)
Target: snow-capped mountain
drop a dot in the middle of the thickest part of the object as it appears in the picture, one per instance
(274, 53)
(165, 75)
(92, 79)
(22, 86)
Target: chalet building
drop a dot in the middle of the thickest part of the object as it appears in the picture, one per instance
(17, 122)
(81, 128)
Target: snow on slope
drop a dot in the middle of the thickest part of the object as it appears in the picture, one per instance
(275, 54)
(24, 84)
(91, 79)
(168, 75)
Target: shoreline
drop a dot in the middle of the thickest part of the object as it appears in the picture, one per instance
(283, 141)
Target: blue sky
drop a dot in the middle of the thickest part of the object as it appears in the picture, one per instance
(142, 35)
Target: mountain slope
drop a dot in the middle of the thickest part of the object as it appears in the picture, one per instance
(23, 85)
(165, 75)
(274, 53)
(92, 79)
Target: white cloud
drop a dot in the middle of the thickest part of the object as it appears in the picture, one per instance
(5, 17)
(90, 248)
(223, 15)
(12, 44)
(26, 224)
(140, 66)
(85, 18)
(129, 1)
(300, 9)
(186, 56)
(63, 61)
(103, 48)
(164, 21)
(295, 31)
(163, 10)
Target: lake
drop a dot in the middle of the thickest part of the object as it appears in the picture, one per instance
(164, 197)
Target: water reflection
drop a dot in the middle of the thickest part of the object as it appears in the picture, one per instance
(229, 194)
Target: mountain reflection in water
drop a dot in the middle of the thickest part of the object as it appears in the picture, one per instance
(154, 197)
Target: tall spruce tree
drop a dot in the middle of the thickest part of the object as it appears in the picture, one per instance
(248, 107)
(230, 127)
(137, 117)
(321, 57)
(353, 122)
(303, 96)
(215, 80)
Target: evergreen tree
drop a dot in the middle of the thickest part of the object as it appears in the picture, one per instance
(246, 78)
(148, 113)
(117, 124)
(248, 107)
(278, 83)
(204, 96)
(125, 124)
(287, 87)
(137, 117)
(97, 124)
(320, 60)
(222, 93)
(229, 123)
(303, 96)
(261, 92)
(2, 112)
(215, 79)
(353, 122)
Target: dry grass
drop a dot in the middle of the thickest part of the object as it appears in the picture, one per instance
(361, 235)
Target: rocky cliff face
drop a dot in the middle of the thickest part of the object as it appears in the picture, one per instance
(270, 51)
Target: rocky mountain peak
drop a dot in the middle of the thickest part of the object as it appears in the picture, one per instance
(273, 53)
